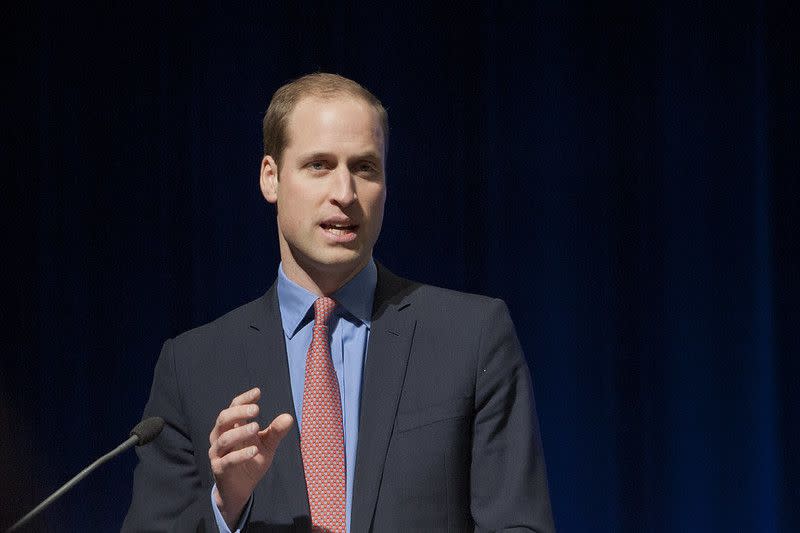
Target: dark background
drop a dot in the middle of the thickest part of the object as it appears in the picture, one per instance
(623, 174)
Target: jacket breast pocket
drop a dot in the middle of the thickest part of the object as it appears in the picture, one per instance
(433, 414)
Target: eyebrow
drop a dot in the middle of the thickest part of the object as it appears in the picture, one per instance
(369, 156)
(315, 155)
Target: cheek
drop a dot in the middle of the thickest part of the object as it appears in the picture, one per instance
(292, 219)
(289, 214)
(374, 200)
(296, 204)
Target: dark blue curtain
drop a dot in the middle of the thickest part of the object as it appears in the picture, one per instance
(624, 175)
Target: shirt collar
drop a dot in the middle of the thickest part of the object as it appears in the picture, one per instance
(354, 298)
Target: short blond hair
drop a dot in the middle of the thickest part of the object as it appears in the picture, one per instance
(320, 85)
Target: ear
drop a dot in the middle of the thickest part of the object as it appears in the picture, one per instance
(269, 179)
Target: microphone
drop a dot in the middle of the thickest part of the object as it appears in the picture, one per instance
(147, 430)
(143, 433)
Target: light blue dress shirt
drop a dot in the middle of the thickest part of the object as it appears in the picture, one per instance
(349, 328)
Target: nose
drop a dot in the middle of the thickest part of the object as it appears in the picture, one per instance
(342, 190)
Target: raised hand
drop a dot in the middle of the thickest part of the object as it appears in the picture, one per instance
(241, 452)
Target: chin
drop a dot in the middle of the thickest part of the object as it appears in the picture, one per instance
(334, 260)
(342, 263)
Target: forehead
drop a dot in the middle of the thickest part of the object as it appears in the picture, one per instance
(320, 123)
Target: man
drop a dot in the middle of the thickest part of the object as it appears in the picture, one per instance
(346, 398)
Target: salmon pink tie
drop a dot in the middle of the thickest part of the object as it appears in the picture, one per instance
(322, 435)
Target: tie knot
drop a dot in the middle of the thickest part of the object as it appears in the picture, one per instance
(323, 309)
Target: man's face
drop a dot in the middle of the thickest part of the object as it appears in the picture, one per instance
(329, 190)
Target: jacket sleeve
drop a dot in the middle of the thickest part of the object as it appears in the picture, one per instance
(168, 494)
(508, 478)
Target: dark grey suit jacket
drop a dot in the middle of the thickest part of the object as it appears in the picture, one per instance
(448, 434)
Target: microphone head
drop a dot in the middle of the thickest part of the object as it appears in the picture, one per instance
(148, 429)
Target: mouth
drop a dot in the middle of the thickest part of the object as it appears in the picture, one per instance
(340, 232)
(339, 229)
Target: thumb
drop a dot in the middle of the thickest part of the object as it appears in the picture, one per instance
(276, 431)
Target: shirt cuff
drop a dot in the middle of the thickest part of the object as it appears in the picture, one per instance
(221, 525)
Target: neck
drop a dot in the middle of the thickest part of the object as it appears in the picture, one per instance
(320, 282)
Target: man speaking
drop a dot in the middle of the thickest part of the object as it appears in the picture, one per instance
(345, 398)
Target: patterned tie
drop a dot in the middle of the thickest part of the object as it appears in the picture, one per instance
(322, 436)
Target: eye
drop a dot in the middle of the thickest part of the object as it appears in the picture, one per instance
(366, 167)
(318, 166)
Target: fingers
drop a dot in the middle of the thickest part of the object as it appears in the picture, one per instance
(247, 397)
(236, 414)
(241, 409)
(236, 438)
(223, 463)
(234, 433)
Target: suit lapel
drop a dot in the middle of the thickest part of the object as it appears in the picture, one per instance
(391, 335)
(266, 362)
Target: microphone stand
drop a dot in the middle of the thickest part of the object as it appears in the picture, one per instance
(133, 439)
